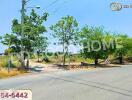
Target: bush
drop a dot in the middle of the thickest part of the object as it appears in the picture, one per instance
(46, 59)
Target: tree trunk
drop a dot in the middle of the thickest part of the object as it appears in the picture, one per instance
(22, 64)
(27, 64)
(64, 55)
(64, 59)
(26, 61)
(9, 60)
(69, 59)
(38, 55)
(22, 61)
(120, 59)
(9, 64)
(96, 61)
(68, 56)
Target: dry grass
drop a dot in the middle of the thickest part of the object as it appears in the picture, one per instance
(4, 73)
(76, 66)
(80, 68)
(3, 70)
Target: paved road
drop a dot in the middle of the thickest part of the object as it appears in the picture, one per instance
(98, 84)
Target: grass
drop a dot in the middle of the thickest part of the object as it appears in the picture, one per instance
(73, 59)
(75, 62)
(4, 73)
(4, 62)
(3, 67)
(3, 59)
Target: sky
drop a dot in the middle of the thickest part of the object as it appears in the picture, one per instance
(90, 12)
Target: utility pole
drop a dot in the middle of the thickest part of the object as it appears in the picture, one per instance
(22, 32)
(23, 10)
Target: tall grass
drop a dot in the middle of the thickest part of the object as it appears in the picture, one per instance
(4, 62)
(4, 73)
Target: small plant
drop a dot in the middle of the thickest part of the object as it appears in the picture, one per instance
(46, 59)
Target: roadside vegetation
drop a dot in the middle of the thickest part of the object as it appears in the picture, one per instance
(97, 45)
(5, 71)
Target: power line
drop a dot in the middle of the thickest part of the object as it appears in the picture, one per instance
(58, 8)
(51, 4)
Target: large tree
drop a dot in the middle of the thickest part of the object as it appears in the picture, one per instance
(65, 30)
(96, 43)
(33, 29)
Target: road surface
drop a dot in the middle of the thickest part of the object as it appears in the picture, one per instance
(96, 84)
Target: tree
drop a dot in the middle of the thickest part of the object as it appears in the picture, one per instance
(66, 31)
(33, 29)
(109, 43)
(0, 38)
(94, 41)
(9, 40)
(129, 46)
(123, 46)
(40, 45)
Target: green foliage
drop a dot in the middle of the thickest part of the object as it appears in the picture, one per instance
(40, 44)
(11, 41)
(91, 38)
(32, 37)
(50, 54)
(4, 62)
(0, 38)
(33, 31)
(66, 31)
(123, 46)
(46, 59)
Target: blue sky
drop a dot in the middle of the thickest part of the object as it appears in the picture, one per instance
(90, 12)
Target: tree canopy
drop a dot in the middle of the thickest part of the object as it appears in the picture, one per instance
(66, 31)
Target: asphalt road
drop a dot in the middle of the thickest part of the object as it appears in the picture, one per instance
(97, 84)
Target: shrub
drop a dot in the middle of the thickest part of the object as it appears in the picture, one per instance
(46, 59)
